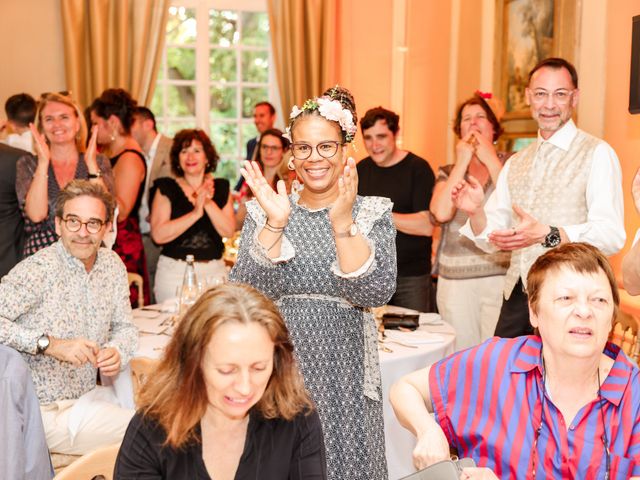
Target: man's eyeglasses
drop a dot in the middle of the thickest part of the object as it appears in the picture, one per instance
(270, 148)
(560, 97)
(326, 149)
(74, 224)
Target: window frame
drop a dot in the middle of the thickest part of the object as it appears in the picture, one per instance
(203, 83)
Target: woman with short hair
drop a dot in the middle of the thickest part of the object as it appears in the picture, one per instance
(190, 214)
(562, 403)
(470, 281)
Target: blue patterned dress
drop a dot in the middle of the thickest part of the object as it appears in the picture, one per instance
(328, 315)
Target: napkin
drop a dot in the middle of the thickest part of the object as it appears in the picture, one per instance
(418, 337)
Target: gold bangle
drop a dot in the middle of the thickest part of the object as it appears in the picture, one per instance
(40, 174)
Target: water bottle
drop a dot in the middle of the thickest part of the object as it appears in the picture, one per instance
(189, 291)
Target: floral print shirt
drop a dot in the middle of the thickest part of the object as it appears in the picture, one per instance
(52, 293)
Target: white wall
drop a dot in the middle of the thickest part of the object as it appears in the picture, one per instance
(32, 57)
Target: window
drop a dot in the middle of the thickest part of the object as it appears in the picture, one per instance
(215, 67)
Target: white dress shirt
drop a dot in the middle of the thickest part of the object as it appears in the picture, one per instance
(604, 227)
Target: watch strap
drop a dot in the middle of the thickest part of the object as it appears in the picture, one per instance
(352, 231)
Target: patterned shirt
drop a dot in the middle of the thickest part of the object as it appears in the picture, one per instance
(488, 401)
(51, 292)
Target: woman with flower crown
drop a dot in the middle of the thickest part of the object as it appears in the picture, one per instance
(326, 255)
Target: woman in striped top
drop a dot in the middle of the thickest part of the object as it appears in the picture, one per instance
(563, 403)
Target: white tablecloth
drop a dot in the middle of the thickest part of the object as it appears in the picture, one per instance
(399, 442)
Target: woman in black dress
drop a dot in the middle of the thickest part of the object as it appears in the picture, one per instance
(227, 400)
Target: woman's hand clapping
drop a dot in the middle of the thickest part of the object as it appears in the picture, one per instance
(275, 204)
(468, 195)
(92, 149)
(340, 212)
(41, 145)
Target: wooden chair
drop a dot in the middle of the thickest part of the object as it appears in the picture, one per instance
(141, 369)
(99, 463)
(136, 279)
(625, 334)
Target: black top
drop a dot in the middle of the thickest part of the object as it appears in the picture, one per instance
(251, 146)
(273, 450)
(409, 184)
(201, 239)
(136, 206)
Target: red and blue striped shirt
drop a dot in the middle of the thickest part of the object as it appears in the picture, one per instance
(488, 401)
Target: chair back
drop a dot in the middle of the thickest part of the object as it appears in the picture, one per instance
(136, 279)
(97, 465)
(141, 369)
(625, 334)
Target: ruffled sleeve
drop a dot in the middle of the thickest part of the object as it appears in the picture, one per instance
(374, 282)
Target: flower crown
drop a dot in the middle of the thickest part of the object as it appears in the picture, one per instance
(331, 110)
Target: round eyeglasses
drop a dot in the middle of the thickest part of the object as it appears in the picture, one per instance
(74, 224)
(326, 149)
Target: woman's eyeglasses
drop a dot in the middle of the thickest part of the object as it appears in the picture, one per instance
(326, 149)
(74, 224)
(270, 148)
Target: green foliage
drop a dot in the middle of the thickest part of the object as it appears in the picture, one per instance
(251, 96)
(255, 66)
(181, 26)
(223, 102)
(255, 29)
(223, 27)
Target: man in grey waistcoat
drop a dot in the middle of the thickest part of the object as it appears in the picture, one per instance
(564, 187)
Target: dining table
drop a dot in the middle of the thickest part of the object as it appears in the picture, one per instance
(400, 352)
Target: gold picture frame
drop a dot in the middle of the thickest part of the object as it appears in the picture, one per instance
(526, 32)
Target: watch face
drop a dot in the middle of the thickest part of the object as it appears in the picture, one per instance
(43, 343)
(553, 238)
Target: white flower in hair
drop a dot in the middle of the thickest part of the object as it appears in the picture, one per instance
(330, 109)
(346, 120)
(287, 133)
(295, 111)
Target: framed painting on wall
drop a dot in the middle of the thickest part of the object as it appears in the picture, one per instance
(528, 31)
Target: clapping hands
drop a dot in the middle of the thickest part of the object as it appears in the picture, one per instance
(340, 212)
(468, 195)
(276, 205)
(40, 144)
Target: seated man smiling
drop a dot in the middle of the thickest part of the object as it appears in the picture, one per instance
(67, 310)
(559, 404)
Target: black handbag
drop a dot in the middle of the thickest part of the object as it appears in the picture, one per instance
(393, 321)
(444, 470)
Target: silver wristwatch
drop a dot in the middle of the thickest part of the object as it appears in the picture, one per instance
(43, 343)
